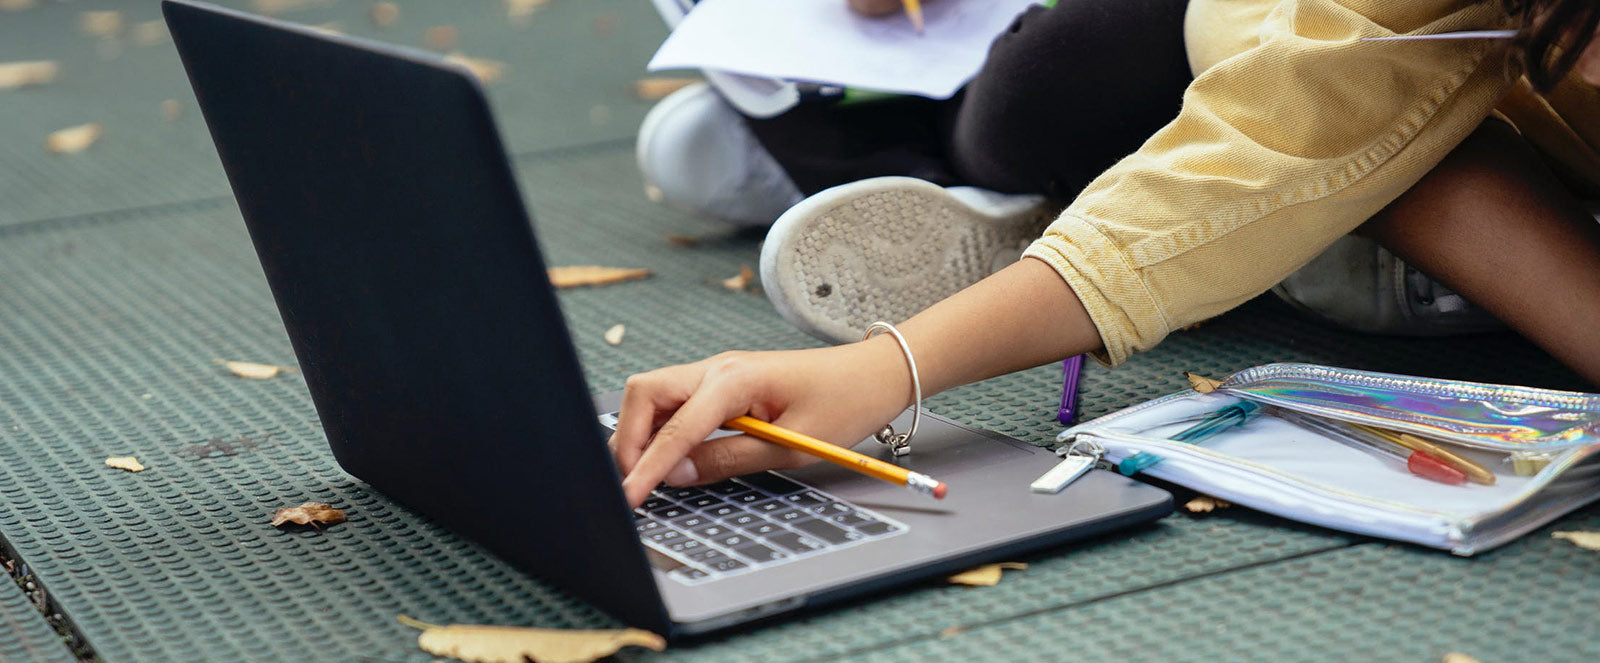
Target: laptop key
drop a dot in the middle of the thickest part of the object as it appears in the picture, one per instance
(691, 573)
(706, 555)
(826, 531)
(648, 526)
(763, 528)
(876, 528)
(724, 488)
(794, 542)
(731, 540)
(743, 520)
(807, 498)
(722, 510)
(769, 507)
(681, 494)
(669, 512)
(684, 545)
(771, 483)
(664, 536)
(691, 521)
(653, 503)
(759, 553)
(726, 564)
(712, 531)
(852, 519)
(703, 501)
(788, 515)
(747, 497)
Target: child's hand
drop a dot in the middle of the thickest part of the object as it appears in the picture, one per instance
(840, 394)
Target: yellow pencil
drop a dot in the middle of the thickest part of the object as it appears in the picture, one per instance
(838, 455)
(1477, 473)
(914, 10)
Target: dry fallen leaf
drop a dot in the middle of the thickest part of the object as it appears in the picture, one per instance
(487, 71)
(1457, 657)
(252, 370)
(683, 240)
(16, 5)
(952, 631)
(606, 24)
(106, 23)
(73, 139)
(1202, 384)
(440, 37)
(1205, 504)
(614, 334)
(1584, 540)
(651, 89)
(18, 74)
(128, 463)
(279, 6)
(519, 10)
(740, 281)
(512, 644)
(171, 109)
(384, 14)
(310, 513)
(148, 33)
(987, 575)
(579, 275)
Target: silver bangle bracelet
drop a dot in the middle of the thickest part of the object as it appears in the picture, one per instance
(900, 443)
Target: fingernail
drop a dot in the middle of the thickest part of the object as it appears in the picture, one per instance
(684, 474)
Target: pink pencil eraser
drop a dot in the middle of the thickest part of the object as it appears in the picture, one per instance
(939, 491)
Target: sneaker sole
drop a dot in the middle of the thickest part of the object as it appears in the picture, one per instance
(883, 249)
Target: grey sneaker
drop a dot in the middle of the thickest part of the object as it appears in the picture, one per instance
(886, 248)
(697, 155)
(1358, 284)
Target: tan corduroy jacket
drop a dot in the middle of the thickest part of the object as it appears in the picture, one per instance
(1292, 134)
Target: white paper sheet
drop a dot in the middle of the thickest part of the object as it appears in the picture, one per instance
(823, 41)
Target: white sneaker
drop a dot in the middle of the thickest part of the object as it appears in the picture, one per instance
(1359, 285)
(888, 247)
(697, 155)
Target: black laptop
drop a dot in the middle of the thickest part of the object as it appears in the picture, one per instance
(384, 211)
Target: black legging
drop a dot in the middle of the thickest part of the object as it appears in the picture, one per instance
(1065, 93)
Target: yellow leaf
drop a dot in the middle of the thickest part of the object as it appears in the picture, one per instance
(149, 33)
(1205, 504)
(486, 71)
(171, 109)
(651, 89)
(741, 280)
(1202, 384)
(101, 23)
(614, 334)
(1457, 657)
(252, 370)
(511, 644)
(20, 74)
(128, 463)
(568, 277)
(280, 6)
(384, 14)
(310, 513)
(987, 575)
(73, 139)
(16, 5)
(1584, 540)
(520, 10)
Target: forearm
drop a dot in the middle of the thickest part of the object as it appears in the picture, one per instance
(1018, 318)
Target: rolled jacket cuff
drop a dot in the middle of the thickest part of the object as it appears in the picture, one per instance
(1123, 310)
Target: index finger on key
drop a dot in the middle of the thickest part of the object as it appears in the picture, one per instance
(645, 398)
(689, 426)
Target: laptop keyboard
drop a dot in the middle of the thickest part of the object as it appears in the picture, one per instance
(749, 523)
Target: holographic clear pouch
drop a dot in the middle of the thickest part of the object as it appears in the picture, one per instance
(1298, 455)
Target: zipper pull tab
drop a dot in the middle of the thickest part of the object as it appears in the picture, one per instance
(1076, 460)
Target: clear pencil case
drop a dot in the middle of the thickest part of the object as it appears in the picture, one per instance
(1538, 444)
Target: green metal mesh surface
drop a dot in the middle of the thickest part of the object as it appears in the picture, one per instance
(125, 271)
(24, 635)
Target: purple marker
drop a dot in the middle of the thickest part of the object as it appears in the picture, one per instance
(1070, 368)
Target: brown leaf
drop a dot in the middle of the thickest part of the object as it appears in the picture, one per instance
(987, 575)
(614, 334)
(1202, 384)
(512, 644)
(952, 631)
(280, 6)
(384, 14)
(1457, 657)
(486, 71)
(252, 370)
(20, 74)
(72, 140)
(171, 109)
(651, 89)
(740, 281)
(16, 5)
(107, 23)
(606, 24)
(310, 513)
(441, 37)
(1205, 504)
(684, 241)
(1584, 540)
(580, 275)
(128, 463)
